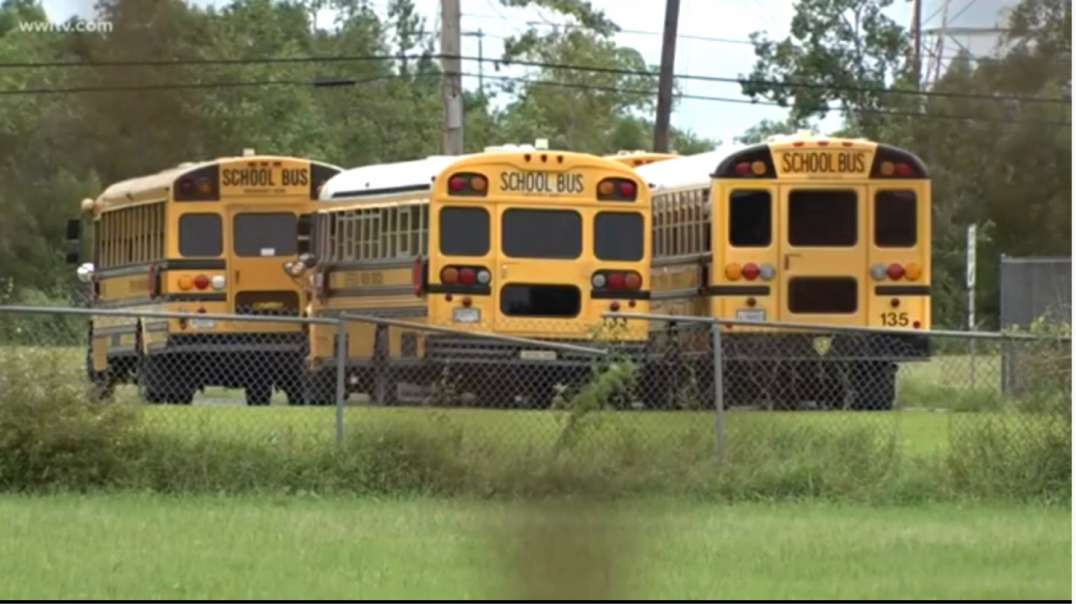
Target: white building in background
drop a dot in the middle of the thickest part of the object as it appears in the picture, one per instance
(954, 26)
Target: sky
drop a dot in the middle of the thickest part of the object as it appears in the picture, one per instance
(712, 36)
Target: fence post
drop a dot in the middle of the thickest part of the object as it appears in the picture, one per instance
(719, 391)
(341, 371)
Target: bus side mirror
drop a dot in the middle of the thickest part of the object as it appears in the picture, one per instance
(303, 230)
(74, 229)
(74, 236)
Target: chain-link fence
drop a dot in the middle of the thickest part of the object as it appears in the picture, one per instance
(767, 400)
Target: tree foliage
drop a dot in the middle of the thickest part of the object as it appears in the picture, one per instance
(56, 149)
(838, 51)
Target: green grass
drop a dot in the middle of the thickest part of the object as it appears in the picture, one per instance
(145, 546)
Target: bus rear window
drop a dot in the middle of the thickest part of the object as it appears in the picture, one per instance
(200, 235)
(464, 231)
(895, 220)
(822, 218)
(542, 233)
(265, 234)
(822, 295)
(540, 300)
(618, 236)
(750, 218)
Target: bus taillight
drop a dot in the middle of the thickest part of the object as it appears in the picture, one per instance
(616, 280)
(750, 271)
(617, 189)
(468, 183)
(895, 271)
(890, 162)
(201, 282)
(466, 276)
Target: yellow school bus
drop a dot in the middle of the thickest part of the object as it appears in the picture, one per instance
(538, 244)
(203, 237)
(371, 226)
(810, 230)
(524, 242)
(640, 158)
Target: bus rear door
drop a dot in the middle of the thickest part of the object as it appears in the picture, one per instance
(823, 254)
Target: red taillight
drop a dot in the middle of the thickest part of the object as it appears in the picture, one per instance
(617, 189)
(633, 281)
(468, 183)
(743, 168)
(201, 282)
(186, 186)
(750, 271)
(467, 276)
(895, 271)
(616, 280)
(904, 170)
(450, 275)
(418, 276)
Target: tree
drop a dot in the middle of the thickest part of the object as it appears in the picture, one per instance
(840, 51)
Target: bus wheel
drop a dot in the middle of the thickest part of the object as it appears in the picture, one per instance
(258, 394)
(875, 385)
(158, 383)
(320, 387)
(294, 390)
(384, 389)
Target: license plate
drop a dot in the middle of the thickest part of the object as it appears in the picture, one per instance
(750, 314)
(538, 355)
(466, 315)
(203, 323)
(542, 183)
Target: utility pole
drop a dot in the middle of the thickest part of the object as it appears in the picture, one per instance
(481, 65)
(917, 17)
(665, 78)
(481, 59)
(451, 88)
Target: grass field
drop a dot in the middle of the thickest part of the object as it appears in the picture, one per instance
(146, 546)
(919, 432)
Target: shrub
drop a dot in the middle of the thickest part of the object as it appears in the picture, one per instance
(50, 435)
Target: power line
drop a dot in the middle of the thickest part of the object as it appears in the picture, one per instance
(544, 83)
(194, 86)
(539, 64)
(742, 101)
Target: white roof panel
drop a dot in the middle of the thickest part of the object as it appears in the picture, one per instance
(385, 179)
(687, 171)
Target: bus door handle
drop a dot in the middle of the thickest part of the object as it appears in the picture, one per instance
(237, 277)
(787, 258)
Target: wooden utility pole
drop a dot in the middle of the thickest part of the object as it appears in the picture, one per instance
(451, 88)
(917, 18)
(665, 78)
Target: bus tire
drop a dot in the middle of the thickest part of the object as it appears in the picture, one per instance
(258, 394)
(320, 388)
(875, 385)
(158, 383)
(295, 392)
